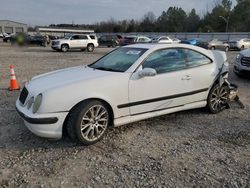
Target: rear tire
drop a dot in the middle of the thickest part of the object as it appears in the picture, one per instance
(242, 47)
(227, 49)
(217, 98)
(90, 48)
(88, 122)
(213, 48)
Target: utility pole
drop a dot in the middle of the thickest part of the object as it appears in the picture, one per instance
(226, 20)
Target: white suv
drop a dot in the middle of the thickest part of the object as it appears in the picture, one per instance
(242, 63)
(82, 42)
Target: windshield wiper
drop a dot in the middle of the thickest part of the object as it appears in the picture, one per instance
(107, 69)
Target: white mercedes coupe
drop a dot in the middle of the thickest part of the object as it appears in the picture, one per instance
(129, 84)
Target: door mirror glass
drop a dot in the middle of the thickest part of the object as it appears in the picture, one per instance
(147, 72)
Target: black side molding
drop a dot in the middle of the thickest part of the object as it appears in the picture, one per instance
(161, 98)
(51, 120)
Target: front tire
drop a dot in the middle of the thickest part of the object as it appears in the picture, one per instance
(64, 48)
(217, 98)
(90, 48)
(88, 122)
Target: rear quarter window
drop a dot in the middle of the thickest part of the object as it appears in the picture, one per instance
(195, 59)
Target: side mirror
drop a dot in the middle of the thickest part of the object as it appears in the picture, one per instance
(147, 72)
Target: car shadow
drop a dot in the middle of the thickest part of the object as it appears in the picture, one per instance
(18, 137)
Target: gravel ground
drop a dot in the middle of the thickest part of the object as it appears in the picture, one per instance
(185, 149)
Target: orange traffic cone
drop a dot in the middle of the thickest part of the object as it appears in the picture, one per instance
(13, 82)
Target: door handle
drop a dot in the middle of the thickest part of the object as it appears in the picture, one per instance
(187, 77)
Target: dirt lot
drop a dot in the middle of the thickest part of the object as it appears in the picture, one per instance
(186, 149)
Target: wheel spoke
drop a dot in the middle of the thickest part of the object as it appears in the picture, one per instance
(83, 127)
(98, 110)
(86, 119)
(213, 104)
(92, 112)
(224, 98)
(104, 112)
(86, 134)
(103, 119)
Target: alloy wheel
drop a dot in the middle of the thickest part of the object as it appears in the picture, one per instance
(219, 98)
(94, 122)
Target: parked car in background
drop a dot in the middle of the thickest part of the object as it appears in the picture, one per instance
(165, 39)
(135, 39)
(110, 40)
(37, 40)
(162, 39)
(196, 42)
(242, 63)
(175, 40)
(76, 41)
(239, 44)
(7, 37)
(25, 39)
(129, 84)
(216, 44)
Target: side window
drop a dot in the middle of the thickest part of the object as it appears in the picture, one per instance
(195, 59)
(75, 37)
(163, 38)
(166, 60)
(83, 37)
(103, 38)
(141, 40)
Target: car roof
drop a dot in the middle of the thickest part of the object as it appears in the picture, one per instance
(155, 46)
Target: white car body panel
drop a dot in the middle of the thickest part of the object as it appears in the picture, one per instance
(63, 89)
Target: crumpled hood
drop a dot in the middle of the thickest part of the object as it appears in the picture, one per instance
(64, 77)
(245, 53)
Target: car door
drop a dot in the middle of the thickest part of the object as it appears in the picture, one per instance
(202, 74)
(169, 88)
(219, 45)
(74, 43)
(82, 42)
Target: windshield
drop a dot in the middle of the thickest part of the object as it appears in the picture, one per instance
(119, 60)
(68, 36)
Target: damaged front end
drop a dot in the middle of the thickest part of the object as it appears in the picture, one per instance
(232, 88)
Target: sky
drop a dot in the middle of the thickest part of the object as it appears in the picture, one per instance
(45, 12)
